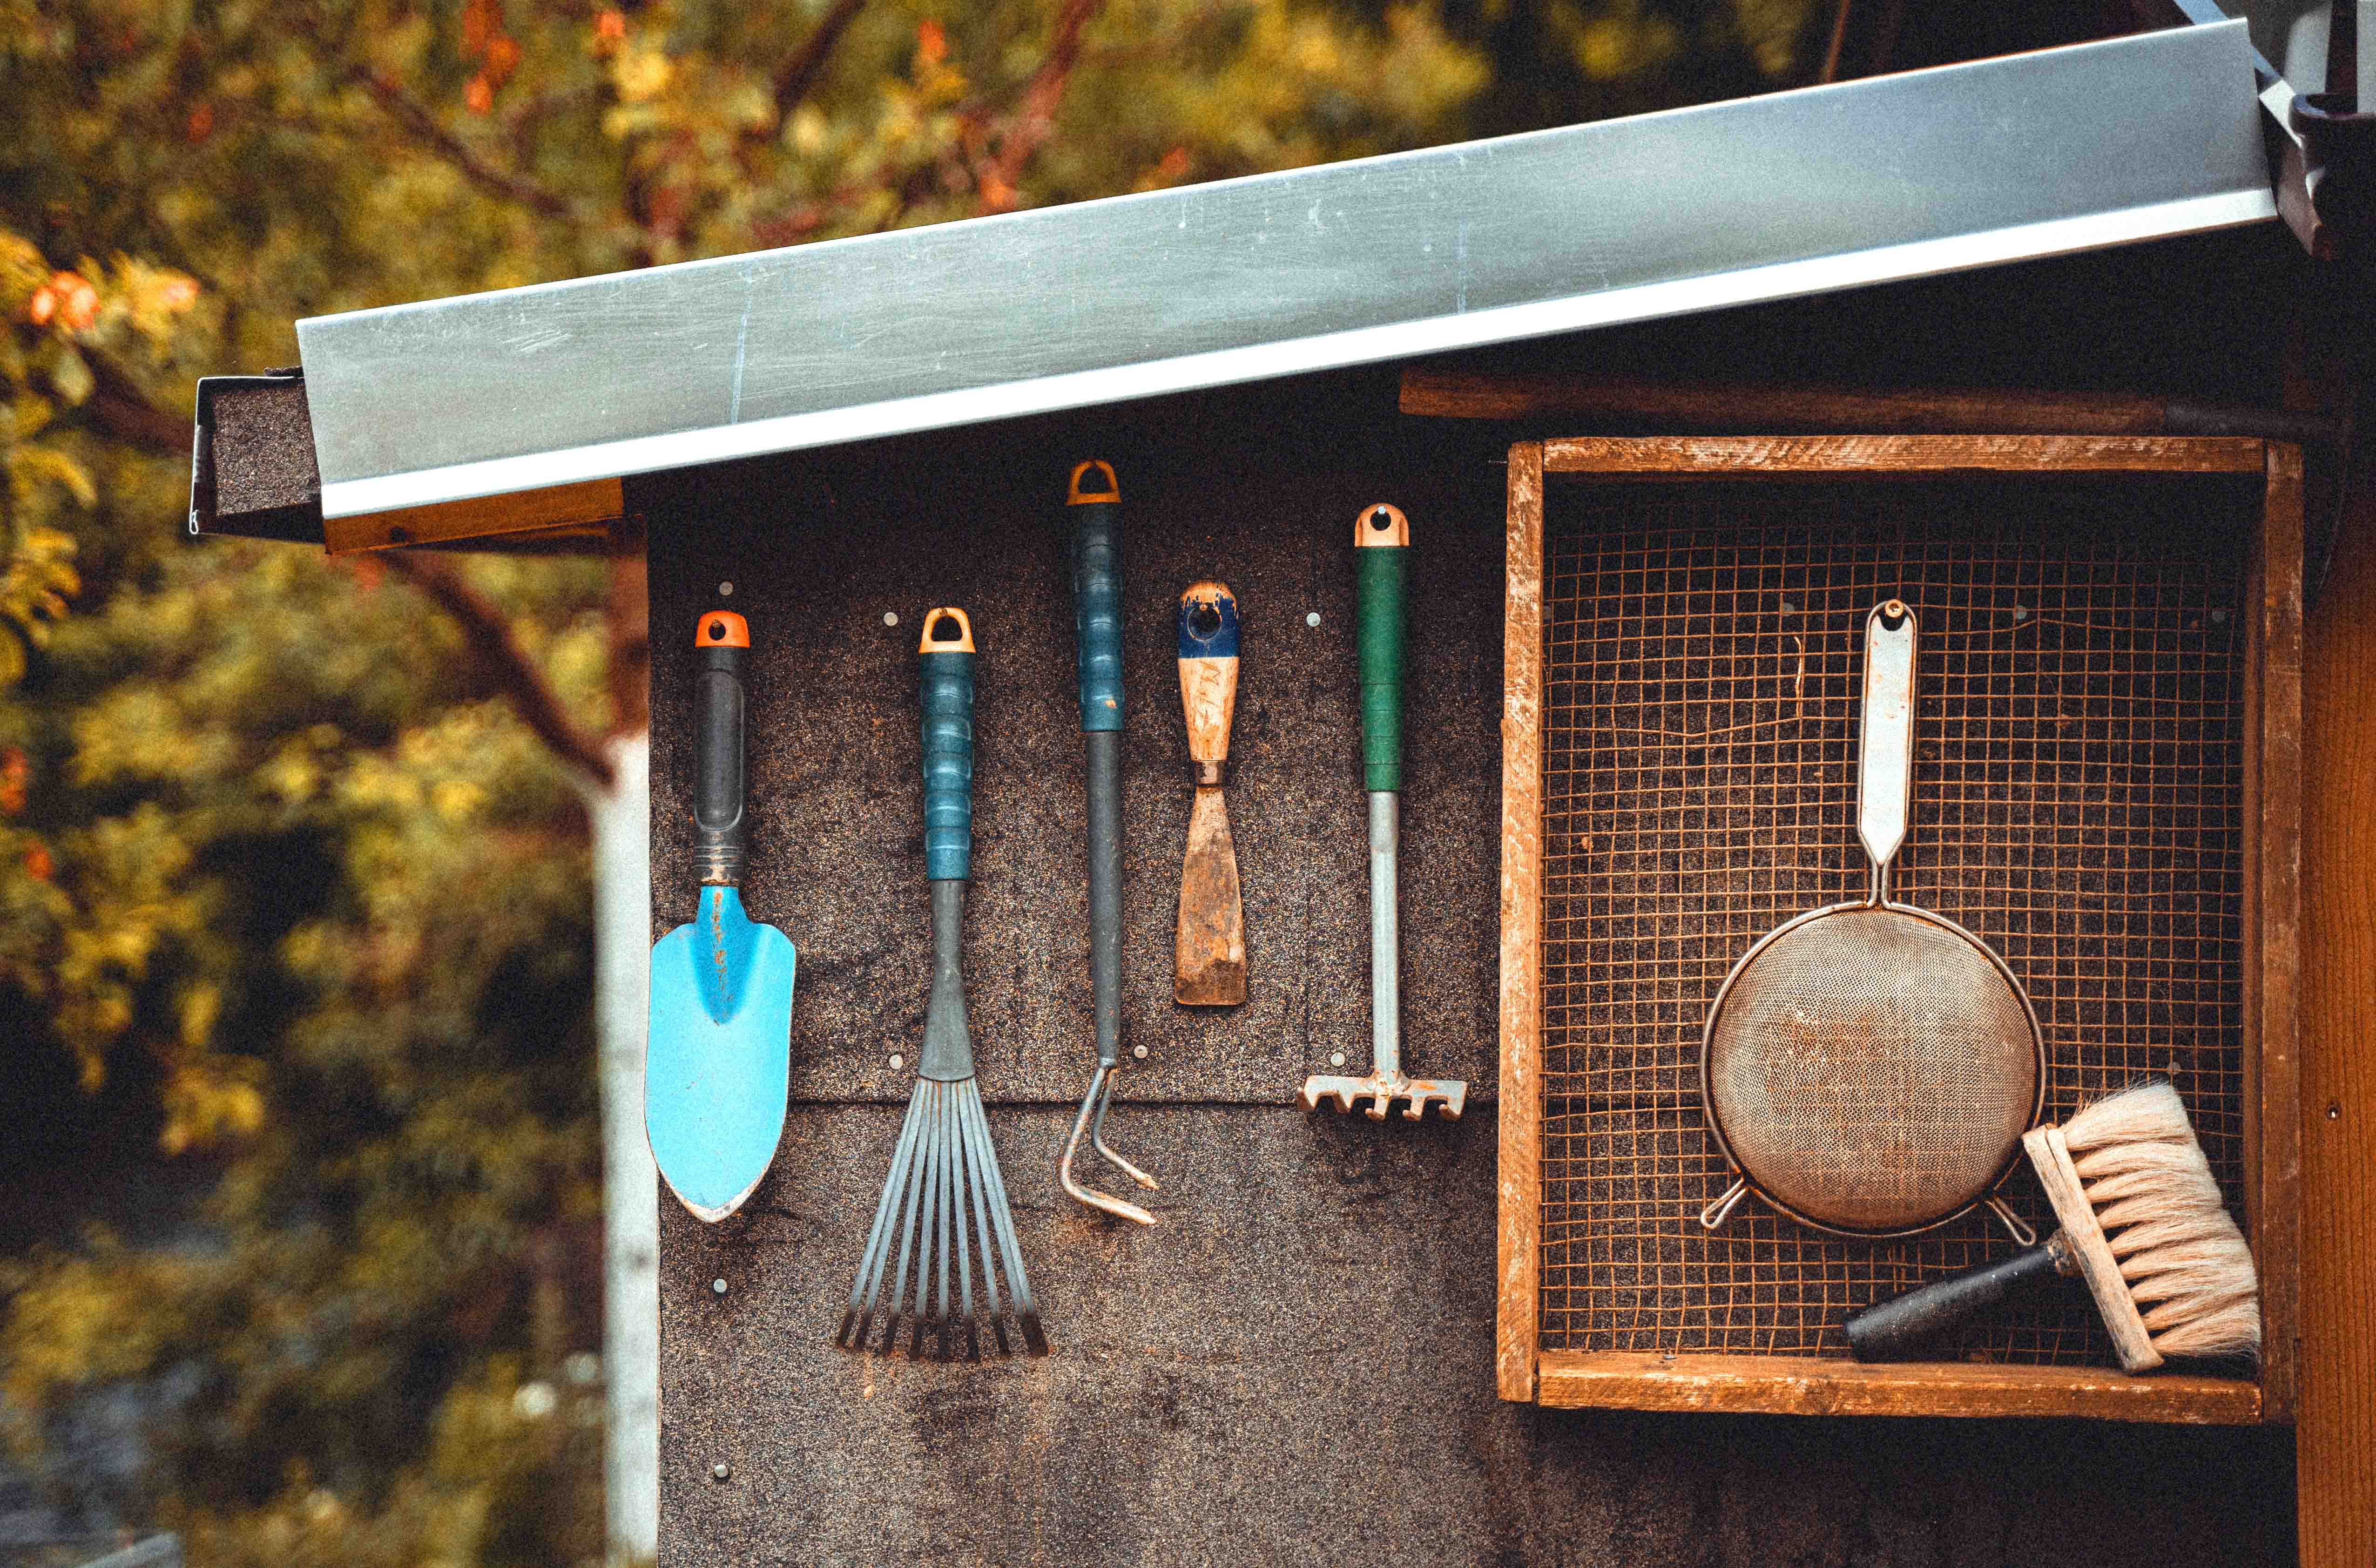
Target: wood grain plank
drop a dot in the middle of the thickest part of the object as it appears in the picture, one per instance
(594, 501)
(2336, 1398)
(1451, 394)
(1518, 1244)
(2273, 941)
(1777, 456)
(2050, 1158)
(1808, 1385)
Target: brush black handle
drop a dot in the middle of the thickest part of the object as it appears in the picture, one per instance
(1902, 1327)
(1093, 501)
(723, 641)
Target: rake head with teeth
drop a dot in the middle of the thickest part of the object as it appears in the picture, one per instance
(943, 1213)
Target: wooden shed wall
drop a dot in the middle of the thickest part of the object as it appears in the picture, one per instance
(1297, 1365)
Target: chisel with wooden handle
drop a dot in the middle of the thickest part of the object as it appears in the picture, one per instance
(1209, 969)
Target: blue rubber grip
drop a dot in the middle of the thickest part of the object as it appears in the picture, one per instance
(947, 681)
(1097, 609)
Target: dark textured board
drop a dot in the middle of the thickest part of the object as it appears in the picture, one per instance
(819, 551)
(263, 449)
(1296, 1366)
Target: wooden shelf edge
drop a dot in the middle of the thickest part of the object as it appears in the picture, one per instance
(1518, 1159)
(1809, 1386)
(1767, 457)
(541, 512)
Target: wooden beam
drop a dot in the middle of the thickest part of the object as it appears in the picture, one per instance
(588, 504)
(1810, 1386)
(1756, 456)
(1452, 393)
(2335, 1400)
(2273, 721)
(1592, 404)
(1519, 1242)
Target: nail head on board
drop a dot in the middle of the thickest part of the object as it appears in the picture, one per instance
(719, 1471)
(898, 1061)
(1312, 619)
(890, 617)
(1139, 1051)
(1335, 1059)
(726, 590)
(717, 1285)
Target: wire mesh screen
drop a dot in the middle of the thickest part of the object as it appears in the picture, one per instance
(2077, 804)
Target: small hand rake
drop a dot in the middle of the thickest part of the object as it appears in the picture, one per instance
(944, 1172)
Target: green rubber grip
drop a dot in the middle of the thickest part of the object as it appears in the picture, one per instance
(946, 682)
(1379, 582)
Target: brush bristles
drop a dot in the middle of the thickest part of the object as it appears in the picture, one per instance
(2185, 1262)
(944, 1204)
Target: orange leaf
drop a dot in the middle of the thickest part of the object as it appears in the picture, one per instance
(37, 862)
(77, 300)
(482, 20)
(931, 43)
(480, 96)
(502, 58)
(201, 124)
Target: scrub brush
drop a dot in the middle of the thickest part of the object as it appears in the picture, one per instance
(2141, 1222)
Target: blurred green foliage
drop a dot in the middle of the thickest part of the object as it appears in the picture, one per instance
(285, 892)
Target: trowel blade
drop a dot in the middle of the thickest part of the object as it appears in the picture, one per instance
(718, 1064)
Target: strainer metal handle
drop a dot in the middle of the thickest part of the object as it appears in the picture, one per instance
(1720, 1207)
(2015, 1225)
(1885, 768)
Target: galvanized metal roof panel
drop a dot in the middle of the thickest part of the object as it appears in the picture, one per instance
(1691, 210)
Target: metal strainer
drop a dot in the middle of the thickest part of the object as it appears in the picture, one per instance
(1868, 1068)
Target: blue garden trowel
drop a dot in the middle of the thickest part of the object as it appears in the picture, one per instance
(718, 1063)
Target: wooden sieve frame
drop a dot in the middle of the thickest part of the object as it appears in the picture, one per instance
(2272, 885)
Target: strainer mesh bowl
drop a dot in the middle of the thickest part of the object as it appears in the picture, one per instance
(1871, 1069)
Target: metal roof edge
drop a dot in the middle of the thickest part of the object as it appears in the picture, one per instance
(1826, 188)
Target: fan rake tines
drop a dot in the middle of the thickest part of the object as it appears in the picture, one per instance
(944, 1206)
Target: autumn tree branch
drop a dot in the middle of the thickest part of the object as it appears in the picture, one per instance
(801, 72)
(505, 665)
(117, 406)
(416, 119)
(1034, 119)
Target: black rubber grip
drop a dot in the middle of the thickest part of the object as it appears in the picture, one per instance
(717, 814)
(1905, 1327)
